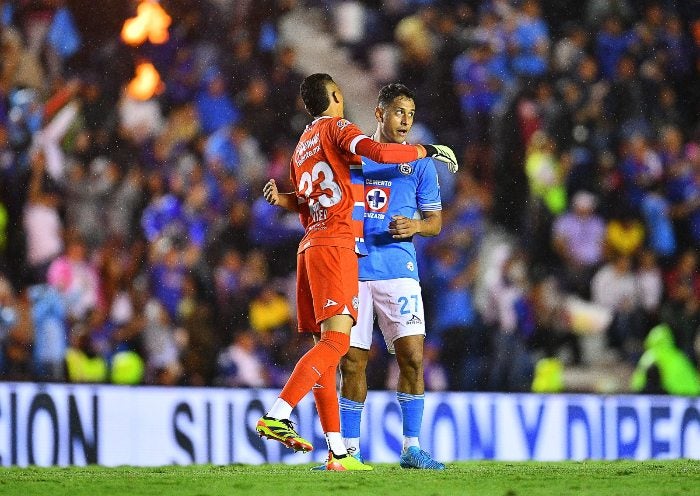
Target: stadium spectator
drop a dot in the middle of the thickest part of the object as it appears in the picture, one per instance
(624, 234)
(196, 336)
(50, 339)
(512, 365)
(83, 364)
(663, 368)
(268, 310)
(456, 331)
(681, 310)
(161, 348)
(214, 107)
(577, 237)
(238, 364)
(614, 287)
(88, 187)
(75, 277)
(650, 287)
(8, 318)
(528, 42)
(41, 219)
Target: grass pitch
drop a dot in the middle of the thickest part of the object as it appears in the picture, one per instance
(594, 478)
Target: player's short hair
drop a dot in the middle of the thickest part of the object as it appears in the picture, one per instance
(314, 93)
(391, 91)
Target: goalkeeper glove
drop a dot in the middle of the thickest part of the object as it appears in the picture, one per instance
(444, 154)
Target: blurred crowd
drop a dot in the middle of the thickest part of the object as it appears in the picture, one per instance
(135, 246)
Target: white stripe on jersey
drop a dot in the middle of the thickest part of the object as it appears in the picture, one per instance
(355, 141)
(430, 207)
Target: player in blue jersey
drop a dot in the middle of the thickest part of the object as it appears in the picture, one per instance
(400, 202)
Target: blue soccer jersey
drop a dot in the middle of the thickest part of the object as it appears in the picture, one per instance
(402, 189)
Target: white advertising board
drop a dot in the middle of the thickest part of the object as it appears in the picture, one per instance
(56, 424)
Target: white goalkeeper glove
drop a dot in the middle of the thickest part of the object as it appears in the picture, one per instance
(443, 153)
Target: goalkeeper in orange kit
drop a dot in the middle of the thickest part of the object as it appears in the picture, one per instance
(326, 171)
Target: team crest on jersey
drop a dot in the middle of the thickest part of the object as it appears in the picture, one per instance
(406, 169)
(410, 266)
(377, 199)
(343, 123)
(355, 302)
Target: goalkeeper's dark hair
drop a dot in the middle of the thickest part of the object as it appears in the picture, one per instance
(314, 93)
(392, 91)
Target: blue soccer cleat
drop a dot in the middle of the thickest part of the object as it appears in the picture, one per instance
(414, 457)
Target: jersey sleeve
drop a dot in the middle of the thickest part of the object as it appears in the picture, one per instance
(350, 138)
(386, 153)
(428, 190)
(347, 135)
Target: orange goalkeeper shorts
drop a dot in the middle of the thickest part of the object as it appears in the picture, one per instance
(326, 285)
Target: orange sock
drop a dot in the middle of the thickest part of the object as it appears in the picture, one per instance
(309, 369)
(326, 397)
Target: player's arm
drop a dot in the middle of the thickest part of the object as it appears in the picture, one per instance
(287, 201)
(351, 139)
(429, 225)
(386, 153)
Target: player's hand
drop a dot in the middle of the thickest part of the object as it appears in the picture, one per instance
(401, 227)
(443, 153)
(271, 193)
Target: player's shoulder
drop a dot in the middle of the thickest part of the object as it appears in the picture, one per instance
(333, 122)
(423, 164)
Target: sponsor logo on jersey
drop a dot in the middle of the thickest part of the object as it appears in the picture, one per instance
(410, 266)
(306, 148)
(378, 182)
(406, 169)
(330, 303)
(414, 320)
(377, 199)
(343, 123)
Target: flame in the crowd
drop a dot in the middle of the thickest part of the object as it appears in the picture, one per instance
(146, 83)
(151, 22)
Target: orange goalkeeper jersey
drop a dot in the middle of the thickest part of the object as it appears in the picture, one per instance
(328, 180)
(326, 171)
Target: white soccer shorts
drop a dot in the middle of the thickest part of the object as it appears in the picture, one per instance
(398, 306)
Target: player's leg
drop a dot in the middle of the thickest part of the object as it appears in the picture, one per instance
(353, 393)
(353, 365)
(315, 371)
(326, 397)
(320, 280)
(333, 283)
(410, 393)
(399, 307)
(410, 390)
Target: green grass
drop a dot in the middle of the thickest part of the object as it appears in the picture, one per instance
(657, 478)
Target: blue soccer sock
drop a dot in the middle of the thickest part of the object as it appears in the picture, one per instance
(350, 418)
(412, 414)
